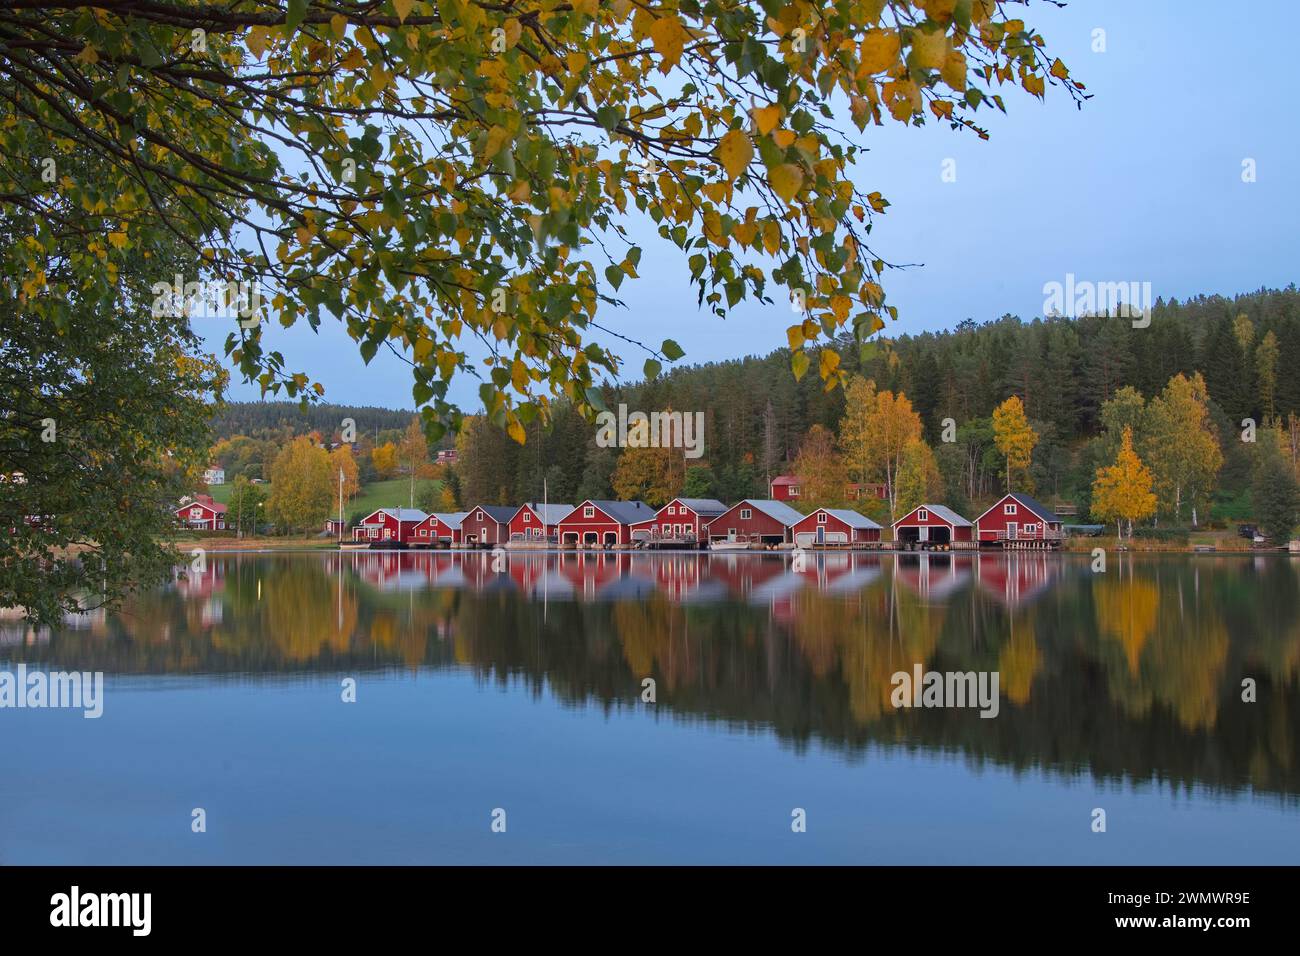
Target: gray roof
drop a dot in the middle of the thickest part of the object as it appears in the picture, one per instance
(404, 514)
(702, 506)
(778, 510)
(851, 518)
(947, 514)
(549, 513)
(451, 519)
(501, 514)
(1037, 507)
(624, 512)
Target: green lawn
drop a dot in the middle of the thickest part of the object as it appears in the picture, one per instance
(395, 493)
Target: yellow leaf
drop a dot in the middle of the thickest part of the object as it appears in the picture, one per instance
(786, 180)
(953, 70)
(403, 8)
(929, 50)
(339, 24)
(1058, 69)
(767, 118)
(734, 152)
(256, 41)
(516, 431)
(799, 364)
(519, 375)
(118, 239)
(521, 192)
(795, 336)
(668, 38)
(830, 361)
(771, 237)
(879, 50)
(496, 138)
(513, 31)
(783, 138)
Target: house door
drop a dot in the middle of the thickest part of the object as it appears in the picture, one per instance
(821, 535)
(1012, 530)
(923, 533)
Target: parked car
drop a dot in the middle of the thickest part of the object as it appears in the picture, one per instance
(1248, 531)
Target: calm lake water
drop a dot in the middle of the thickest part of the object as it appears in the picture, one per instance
(520, 689)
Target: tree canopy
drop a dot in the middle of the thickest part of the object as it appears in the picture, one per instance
(439, 174)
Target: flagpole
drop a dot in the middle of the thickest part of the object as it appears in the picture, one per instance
(340, 508)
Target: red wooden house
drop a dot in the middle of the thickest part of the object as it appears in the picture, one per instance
(202, 513)
(754, 521)
(486, 526)
(834, 526)
(786, 488)
(932, 524)
(602, 523)
(438, 529)
(388, 525)
(1018, 517)
(682, 519)
(537, 522)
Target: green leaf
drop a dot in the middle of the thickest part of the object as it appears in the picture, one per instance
(799, 364)
(595, 398)
(672, 351)
(615, 275)
(294, 13)
(652, 368)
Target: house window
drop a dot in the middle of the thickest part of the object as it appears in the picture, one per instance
(1008, 509)
(528, 516)
(922, 515)
(746, 514)
(589, 512)
(821, 517)
(479, 516)
(794, 491)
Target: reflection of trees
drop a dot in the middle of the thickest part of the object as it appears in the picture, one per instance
(1132, 673)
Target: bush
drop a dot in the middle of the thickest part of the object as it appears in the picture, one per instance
(1165, 535)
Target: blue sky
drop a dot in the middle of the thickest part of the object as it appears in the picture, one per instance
(1144, 183)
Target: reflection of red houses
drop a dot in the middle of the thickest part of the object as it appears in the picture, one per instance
(202, 513)
(933, 576)
(834, 526)
(932, 524)
(388, 525)
(602, 523)
(682, 519)
(1018, 517)
(537, 522)
(1018, 578)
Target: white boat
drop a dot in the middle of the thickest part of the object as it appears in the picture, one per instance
(727, 544)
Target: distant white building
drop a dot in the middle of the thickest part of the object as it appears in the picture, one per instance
(214, 476)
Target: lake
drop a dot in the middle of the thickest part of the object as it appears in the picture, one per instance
(501, 712)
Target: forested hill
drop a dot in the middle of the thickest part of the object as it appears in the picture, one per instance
(285, 419)
(1247, 347)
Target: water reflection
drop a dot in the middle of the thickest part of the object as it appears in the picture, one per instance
(1134, 673)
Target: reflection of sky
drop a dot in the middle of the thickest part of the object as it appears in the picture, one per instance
(1142, 184)
(413, 770)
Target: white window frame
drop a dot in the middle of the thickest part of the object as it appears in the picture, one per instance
(528, 516)
(922, 514)
(821, 517)
(1009, 508)
(589, 511)
(746, 514)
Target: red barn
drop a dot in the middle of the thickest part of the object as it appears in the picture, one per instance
(537, 522)
(932, 524)
(682, 519)
(202, 513)
(834, 526)
(603, 523)
(1018, 517)
(486, 526)
(438, 529)
(388, 525)
(754, 521)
